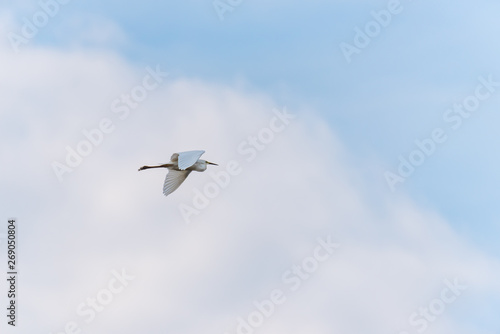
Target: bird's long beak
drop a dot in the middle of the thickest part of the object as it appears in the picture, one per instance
(211, 163)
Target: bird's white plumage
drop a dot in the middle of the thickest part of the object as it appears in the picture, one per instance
(173, 180)
(187, 159)
(180, 166)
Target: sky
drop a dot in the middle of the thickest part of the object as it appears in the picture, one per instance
(356, 189)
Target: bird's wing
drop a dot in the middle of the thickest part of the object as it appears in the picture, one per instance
(173, 180)
(174, 157)
(187, 159)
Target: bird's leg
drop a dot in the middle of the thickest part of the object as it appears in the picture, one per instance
(160, 166)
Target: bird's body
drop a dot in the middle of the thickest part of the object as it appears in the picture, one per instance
(180, 166)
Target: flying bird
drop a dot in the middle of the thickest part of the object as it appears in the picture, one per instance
(180, 166)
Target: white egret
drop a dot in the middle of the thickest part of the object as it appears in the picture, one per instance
(180, 166)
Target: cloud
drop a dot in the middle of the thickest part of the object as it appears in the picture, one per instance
(106, 216)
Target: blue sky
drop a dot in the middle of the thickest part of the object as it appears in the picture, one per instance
(359, 116)
(394, 92)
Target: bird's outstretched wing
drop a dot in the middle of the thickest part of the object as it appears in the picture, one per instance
(173, 180)
(187, 159)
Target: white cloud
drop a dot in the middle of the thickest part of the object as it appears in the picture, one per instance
(201, 277)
